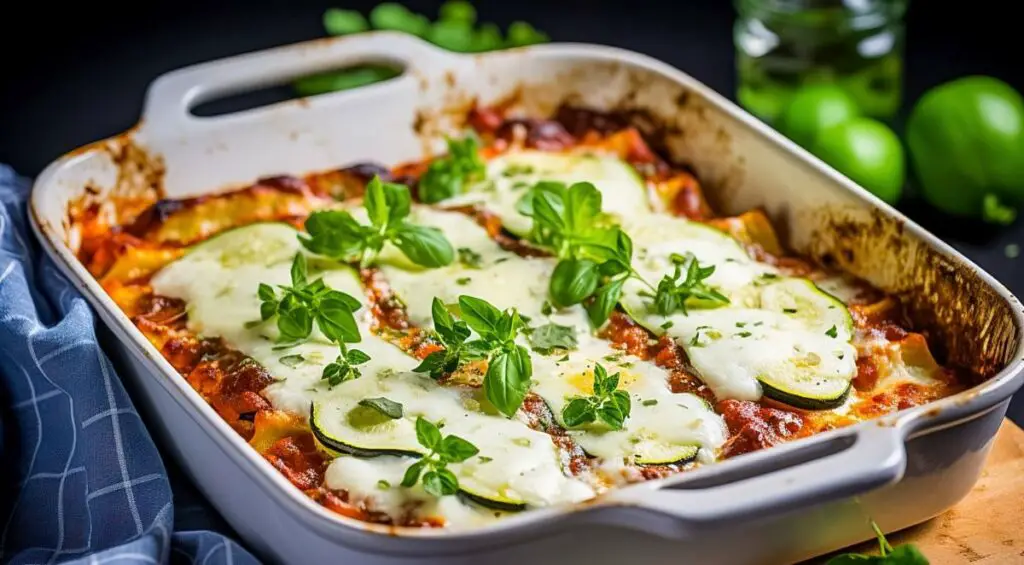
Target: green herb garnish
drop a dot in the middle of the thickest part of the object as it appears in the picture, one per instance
(449, 175)
(303, 303)
(832, 332)
(336, 234)
(345, 366)
(385, 406)
(508, 365)
(433, 467)
(906, 554)
(292, 360)
(607, 404)
(469, 258)
(549, 337)
(672, 294)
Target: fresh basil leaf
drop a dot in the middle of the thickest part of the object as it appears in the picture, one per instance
(611, 414)
(582, 206)
(333, 233)
(605, 300)
(433, 364)
(336, 321)
(442, 317)
(549, 337)
(267, 310)
(424, 246)
(555, 190)
(298, 271)
(385, 406)
(548, 209)
(508, 324)
(621, 399)
(505, 385)
(356, 357)
(377, 207)
(266, 293)
(292, 360)
(441, 482)
(337, 373)
(578, 412)
(412, 474)
(480, 315)
(293, 319)
(427, 434)
(439, 183)
(611, 382)
(477, 349)
(572, 281)
(399, 202)
(454, 449)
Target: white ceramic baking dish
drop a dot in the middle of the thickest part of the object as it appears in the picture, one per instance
(776, 506)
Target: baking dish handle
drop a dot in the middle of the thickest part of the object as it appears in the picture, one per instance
(876, 458)
(171, 96)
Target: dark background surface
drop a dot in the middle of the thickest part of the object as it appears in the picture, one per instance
(77, 73)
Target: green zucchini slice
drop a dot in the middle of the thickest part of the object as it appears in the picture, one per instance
(663, 454)
(361, 431)
(806, 394)
(476, 493)
(802, 300)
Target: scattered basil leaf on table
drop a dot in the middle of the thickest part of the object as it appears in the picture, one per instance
(901, 555)
(432, 468)
(338, 235)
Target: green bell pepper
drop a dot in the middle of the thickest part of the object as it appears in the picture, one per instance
(966, 143)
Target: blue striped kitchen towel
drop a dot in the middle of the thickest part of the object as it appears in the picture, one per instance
(81, 481)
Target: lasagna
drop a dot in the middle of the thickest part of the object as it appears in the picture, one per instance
(546, 311)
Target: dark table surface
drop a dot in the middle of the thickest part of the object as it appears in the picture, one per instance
(75, 74)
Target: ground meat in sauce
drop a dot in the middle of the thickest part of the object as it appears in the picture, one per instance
(753, 426)
(298, 458)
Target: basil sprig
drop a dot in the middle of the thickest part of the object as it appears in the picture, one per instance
(672, 294)
(345, 366)
(607, 404)
(595, 257)
(449, 175)
(433, 467)
(299, 306)
(509, 367)
(907, 554)
(336, 234)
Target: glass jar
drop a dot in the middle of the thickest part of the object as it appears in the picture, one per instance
(784, 44)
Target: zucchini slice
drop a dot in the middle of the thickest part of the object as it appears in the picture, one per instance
(477, 493)
(805, 393)
(662, 454)
(361, 431)
(624, 192)
(802, 300)
(780, 337)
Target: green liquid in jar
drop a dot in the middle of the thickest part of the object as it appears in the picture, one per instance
(784, 45)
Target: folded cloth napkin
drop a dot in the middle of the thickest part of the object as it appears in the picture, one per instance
(81, 481)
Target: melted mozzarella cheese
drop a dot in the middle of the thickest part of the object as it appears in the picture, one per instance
(660, 421)
(623, 191)
(515, 462)
(773, 325)
(509, 281)
(218, 280)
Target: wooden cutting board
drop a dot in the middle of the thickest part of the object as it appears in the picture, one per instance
(987, 527)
